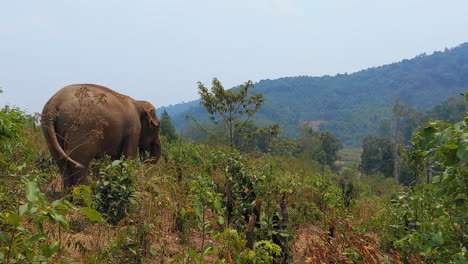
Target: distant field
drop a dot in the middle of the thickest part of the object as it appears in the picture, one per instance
(349, 157)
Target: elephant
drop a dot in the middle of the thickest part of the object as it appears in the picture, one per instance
(86, 121)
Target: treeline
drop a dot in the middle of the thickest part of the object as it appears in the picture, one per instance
(379, 149)
(388, 151)
(353, 104)
(322, 147)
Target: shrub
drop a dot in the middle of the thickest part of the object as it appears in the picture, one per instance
(430, 219)
(114, 190)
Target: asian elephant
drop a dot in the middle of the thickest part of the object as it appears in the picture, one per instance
(85, 121)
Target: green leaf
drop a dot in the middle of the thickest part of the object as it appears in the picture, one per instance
(462, 152)
(24, 208)
(116, 163)
(49, 250)
(428, 132)
(208, 250)
(452, 146)
(92, 214)
(438, 238)
(32, 191)
(198, 210)
(5, 237)
(30, 253)
(12, 219)
(36, 238)
(12, 167)
(59, 203)
(217, 205)
(57, 216)
(22, 230)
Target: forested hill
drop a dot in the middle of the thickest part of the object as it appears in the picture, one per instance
(353, 105)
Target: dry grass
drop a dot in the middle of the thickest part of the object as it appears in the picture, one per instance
(342, 245)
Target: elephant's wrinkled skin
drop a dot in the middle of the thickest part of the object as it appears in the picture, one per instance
(85, 121)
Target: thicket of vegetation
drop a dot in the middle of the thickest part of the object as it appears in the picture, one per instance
(352, 105)
(271, 200)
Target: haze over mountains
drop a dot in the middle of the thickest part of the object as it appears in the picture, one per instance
(353, 105)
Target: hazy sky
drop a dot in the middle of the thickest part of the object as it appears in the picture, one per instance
(157, 50)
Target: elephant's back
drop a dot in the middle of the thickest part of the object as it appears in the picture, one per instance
(77, 98)
(88, 111)
(89, 92)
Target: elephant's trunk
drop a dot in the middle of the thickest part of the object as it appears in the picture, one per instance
(156, 150)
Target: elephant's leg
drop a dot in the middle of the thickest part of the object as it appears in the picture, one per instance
(130, 147)
(143, 155)
(66, 172)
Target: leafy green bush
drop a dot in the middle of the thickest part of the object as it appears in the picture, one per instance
(130, 245)
(233, 249)
(205, 201)
(27, 229)
(14, 147)
(431, 219)
(114, 191)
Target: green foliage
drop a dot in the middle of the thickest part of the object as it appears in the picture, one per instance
(193, 256)
(266, 252)
(114, 191)
(321, 147)
(167, 130)
(234, 107)
(14, 147)
(17, 243)
(377, 156)
(131, 244)
(205, 199)
(430, 219)
(413, 165)
(234, 250)
(451, 111)
(330, 147)
(21, 243)
(239, 184)
(233, 247)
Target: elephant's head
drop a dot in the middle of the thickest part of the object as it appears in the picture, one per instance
(149, 138)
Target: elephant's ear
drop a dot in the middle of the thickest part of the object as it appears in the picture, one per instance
(150, 114)
(154, 122)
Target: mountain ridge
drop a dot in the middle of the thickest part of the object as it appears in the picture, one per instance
(354, 104)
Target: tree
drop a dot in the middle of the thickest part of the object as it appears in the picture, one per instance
(321, 147)
(451, 111)
(377, 155)
(399, 112)
(234, 107)
(167, 128)
(330, 147)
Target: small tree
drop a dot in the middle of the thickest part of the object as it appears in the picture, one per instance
(399, 111)
(167, 128)
(330, 147)
(234, 107)
(377, 155)
(322, 147)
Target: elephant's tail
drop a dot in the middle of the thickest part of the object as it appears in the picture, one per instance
(50, 135)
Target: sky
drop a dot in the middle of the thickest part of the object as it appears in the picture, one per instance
(158, 50)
